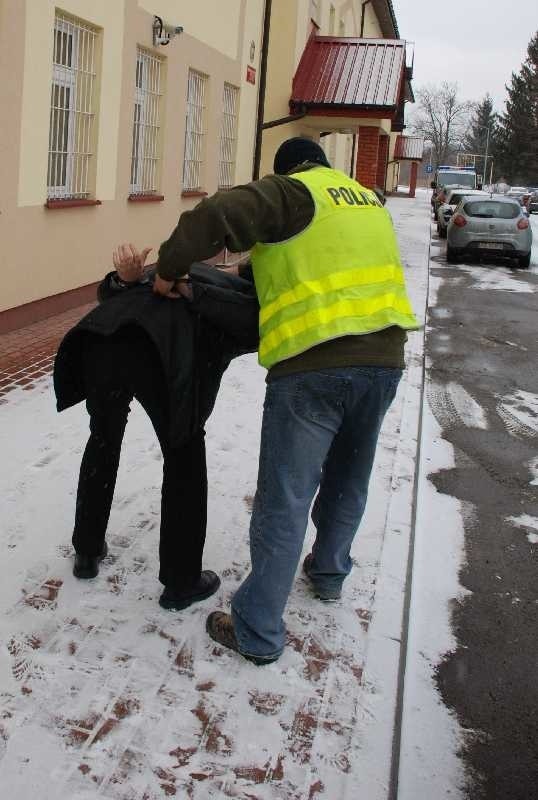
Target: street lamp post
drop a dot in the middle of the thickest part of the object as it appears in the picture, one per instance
(486, 155)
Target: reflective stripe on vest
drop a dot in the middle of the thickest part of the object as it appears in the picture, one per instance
(340, 276)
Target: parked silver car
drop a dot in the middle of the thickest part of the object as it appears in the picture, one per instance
(495, 226)
(446, 209)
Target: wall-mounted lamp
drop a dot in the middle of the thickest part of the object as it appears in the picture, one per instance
(162, 33)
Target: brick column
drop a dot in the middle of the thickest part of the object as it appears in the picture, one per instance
(413, 179)
(382, 158)
(367, 156)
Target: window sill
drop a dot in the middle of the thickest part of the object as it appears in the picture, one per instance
(145, 198)
(71, 203)
(194, 193)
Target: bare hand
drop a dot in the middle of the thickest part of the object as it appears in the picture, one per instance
(129, 262)
(184, 288)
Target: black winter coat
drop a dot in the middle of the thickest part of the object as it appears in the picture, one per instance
(195, 341)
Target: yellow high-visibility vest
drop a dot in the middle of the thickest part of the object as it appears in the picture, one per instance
(341, 276)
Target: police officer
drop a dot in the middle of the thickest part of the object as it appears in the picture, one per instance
(334, 312)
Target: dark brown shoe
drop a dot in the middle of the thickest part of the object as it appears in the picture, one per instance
(86, 567)
(220, 627)
(327, 595)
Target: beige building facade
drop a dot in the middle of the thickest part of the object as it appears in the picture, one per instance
(107, 137)
(115, 122)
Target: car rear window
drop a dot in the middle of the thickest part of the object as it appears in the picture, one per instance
(491, 209)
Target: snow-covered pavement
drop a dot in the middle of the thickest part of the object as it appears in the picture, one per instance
(105, 695)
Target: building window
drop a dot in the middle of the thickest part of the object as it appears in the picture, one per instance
(146, 124)
(194, 132)
(72, 110)
(228, 136)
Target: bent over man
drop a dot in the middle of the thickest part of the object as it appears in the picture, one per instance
(170, 355)
(333, 319)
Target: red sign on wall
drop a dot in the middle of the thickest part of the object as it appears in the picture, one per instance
(251, 75)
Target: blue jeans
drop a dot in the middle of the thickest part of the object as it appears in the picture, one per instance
(319, 433)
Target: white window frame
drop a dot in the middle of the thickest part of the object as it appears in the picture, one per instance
(193, 158)
(228, 136)
(145, 150)
(71, 109)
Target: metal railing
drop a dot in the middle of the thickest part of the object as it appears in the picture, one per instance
(228, 136)
(194, 132)
(146, 124)
(72, 111)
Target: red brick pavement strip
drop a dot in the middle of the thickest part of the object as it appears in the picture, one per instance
(28, 353)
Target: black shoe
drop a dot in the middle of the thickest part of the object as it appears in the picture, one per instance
(327, 595)
(88, 566)
(175, 600)
(220, 627)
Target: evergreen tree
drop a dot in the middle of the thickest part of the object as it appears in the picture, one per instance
(476, 138)
(519, 124)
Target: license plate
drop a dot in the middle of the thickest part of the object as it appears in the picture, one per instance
(490, 246)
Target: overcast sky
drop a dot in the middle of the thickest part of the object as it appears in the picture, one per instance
(477, 43)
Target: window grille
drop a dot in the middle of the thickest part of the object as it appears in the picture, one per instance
(194, 132)
(72, 111)
(146, 124)
(228, 136)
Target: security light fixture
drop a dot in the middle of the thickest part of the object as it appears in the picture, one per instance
(163, 33)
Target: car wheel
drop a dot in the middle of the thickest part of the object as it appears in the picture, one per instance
(524, 261)
(451, 256)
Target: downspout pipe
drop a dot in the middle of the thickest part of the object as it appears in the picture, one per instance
(353, 156)
(363, 14)
(262, 89)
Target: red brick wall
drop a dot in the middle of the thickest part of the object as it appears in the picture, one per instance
(413, 179)
(382, 158)
(19, 317)
(367, 156)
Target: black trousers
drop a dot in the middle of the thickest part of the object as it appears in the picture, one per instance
(117, 369)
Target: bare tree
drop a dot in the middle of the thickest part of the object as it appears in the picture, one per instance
(442, 118)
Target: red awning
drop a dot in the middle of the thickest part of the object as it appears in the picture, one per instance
(409, 148)
(350, 76)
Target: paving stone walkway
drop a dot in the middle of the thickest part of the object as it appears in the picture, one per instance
(28, 354)
(105, 695)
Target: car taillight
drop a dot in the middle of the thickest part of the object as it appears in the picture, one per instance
(459, 220)
(523, 224)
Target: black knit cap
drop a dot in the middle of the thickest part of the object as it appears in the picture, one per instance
(296, 151)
